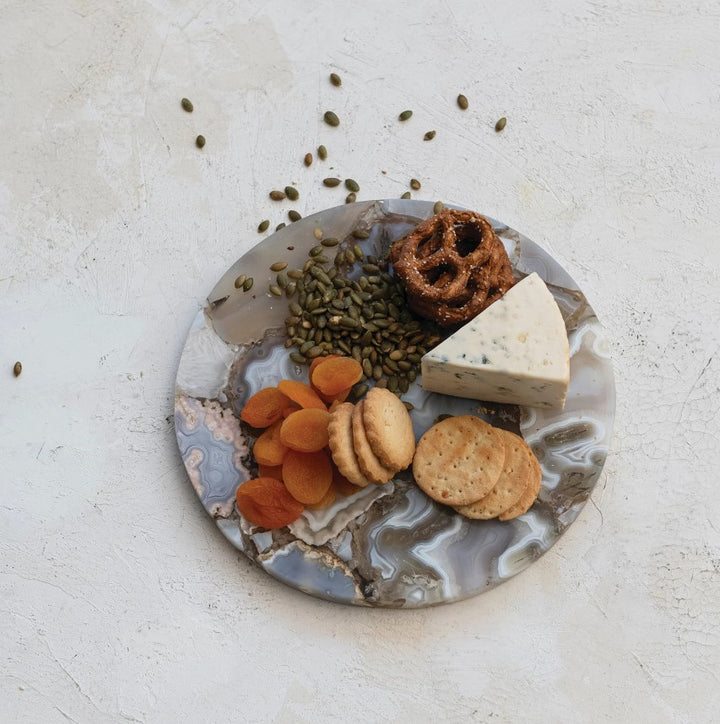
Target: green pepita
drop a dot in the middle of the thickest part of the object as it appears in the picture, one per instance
(187, 105)
(247, 284)
(405, 115)
(240, 281)
(294, 215)
(276, 195)
(292, 193)
(429, 136)
(462, 102)
(352, 185)
(200, 141)
(501, 124)
(414, 184)
(263, 225)
(331, 118)
(278, 266)
(308, 159)
(406, 195)
(335, 79)
(331, 182)
(322, 152)
(17, 369)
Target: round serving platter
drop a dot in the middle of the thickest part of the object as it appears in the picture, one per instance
(387, 545)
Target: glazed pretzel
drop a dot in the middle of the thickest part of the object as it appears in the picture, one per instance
(452, 266)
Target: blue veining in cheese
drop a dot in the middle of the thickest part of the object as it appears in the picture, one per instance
(515, 351)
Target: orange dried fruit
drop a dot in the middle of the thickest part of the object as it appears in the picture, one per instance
(301, 394)
(265, 502)
(339, 397)
(269, 448)
(325, 502)
(265, 407)
(270, 471)
(334, 375)
(305, 430)
(342, 484)
(320, 360)
(307, 475)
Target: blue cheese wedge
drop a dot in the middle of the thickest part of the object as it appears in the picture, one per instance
(515, 351)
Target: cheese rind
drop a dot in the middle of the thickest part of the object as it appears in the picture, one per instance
(516, 351)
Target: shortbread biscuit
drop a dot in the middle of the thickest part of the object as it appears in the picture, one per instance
(459, 460)
(388, 428)
(514, 479)
(341, 444)
(371, 467)
(529, 496)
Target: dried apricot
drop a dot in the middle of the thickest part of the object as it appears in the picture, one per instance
(265, 502)
(270, 471)
(307, 475)
(265, 407)
(269, 448)
(325, 502)
(305, 430)
(301, 394)
(333, 375)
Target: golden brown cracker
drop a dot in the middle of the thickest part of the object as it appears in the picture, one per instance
(510, 486)
(529, 496)
(341, 444)
(459, 460)
(388, 428)
(371, 467)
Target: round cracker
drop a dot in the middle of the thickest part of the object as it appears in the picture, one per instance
(388, 428)
(513, 480)
(340, 441)
(459, 460)
(371, 467)
(529, 496)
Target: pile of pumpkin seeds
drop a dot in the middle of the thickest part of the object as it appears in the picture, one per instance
(350, 305)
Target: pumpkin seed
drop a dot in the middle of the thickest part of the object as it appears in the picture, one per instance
(335, 79)
(263, 225)
(429, 136)
(290, 289)
(351, 198)
(352, 185)
(295, 274)
(406, 195)
(200, 141)
(501, 124)
(281, 225)
(414, 184)
(405, 115)
(462, 102)
(281, 280)
(240, 281)
(278, 266)
(308, 159)
(438, 207)
(330, 241)
(17, 369)
(358, 252)
(247, 284)
(408, 405)
(292, 193)
(276, 195)
(294, 215)
(275, 289)
(187, 105)
(318, 249)
(315, 351)
(331, 118)
(361, 234)
(298, 358)
(322, 152)
(331, 182)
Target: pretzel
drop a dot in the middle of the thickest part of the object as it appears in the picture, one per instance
(452, 266)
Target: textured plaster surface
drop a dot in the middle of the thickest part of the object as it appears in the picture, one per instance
(120, 600)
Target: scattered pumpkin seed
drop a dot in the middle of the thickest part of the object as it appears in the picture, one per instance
(282, 280)
(276, 195)
(290, 289)
(187, 105)
(263, 225)
(330, 241)
(438, 207)
(414, 184)
(318, 249)
(278, 266)
(429, 136)
(298, 358)
(462, 101)
(275, 289)
(292, 193)
(247, 284)
(406, 195)
(322, 152)
(351, 198)
(335, 79)
(200, 141)
(501, 124)
(295, 274)
(405, 115)
(352, 185)
(281, 225)
(361, 234)
(331, 182)
(318, 233)
(294, 215)
(240, 281)
(331, 118)
(17, 369)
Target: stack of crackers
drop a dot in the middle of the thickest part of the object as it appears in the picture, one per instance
(481, 471)
(373, 440)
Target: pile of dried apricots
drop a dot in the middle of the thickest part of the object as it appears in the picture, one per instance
(294, 465)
